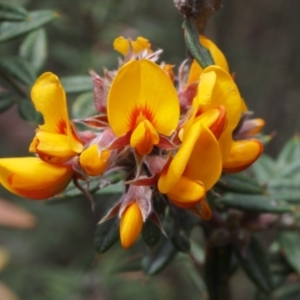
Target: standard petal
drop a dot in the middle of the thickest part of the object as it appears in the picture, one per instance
(217, 55)
(142, 90)
(49, 99)
(33, 178)
(131, 225)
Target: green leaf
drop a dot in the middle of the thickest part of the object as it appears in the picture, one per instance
(77, 84)
(240, 183)
(6, 101)
(117, 188)
(217, 271)
(83, 106)
(34, 48)
(107, 234)
(289, 154)
(151, 234)
(291, 170)
(254, 261)
(18, 68)
(255, 203)
(284, 189)
(158, 259)
(11, 12)
(290, 246)
(35, 19)
(287, 292)
(27, 112)
(263, 168)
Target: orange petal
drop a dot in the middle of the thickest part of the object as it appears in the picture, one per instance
(52, 147)
(186, 193)
(242, 155)
(49, 98)
(33, 178)
(131, 225)
(142, 90)
(93, 161)
(144, 137)
(217, 55)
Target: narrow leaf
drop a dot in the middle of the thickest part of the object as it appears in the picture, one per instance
(255, 203)
(18, 68)
(77, 84)
(151, 234)
(11, 12)
(6, 101)
(254, 261)
(157, 260)
(83, 106)
(290, 245)
(28, 112)
(107, 234)
(263, 168)
(35, 19)
(285, 189)
(240, 183)
(34, 48)
(288, 292)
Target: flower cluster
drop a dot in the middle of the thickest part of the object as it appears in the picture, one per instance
(168, 141)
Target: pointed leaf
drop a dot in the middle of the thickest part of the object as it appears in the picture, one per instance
(254, 261)
(18, 68)
(77, 84)
(151, 234)
(217, 271)
(289, 154)
(107, 234)
(263, 168)
(35, 19)
(290, 245)
(288, 292)
(34, 48)
(6, 101)
(11, 12)
(157, 260)
(28, 112)
(240, 183)
(285, 189)
(83, 106)
(255, 203)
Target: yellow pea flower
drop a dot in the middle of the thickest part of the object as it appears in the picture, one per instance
(131, 224)
(122, 45)
(56, 140)
(30, 177)
(142, 102)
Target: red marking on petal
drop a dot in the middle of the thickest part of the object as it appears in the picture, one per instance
(139, 114)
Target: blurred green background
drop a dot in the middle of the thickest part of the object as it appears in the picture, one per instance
(55, 259)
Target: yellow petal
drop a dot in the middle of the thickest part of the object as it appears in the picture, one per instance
(205, 162)
(186, 193)
(242, 155)
(93, 161)
(217, 55)
(131, 225)
(49, 98)
(122, 45)
(142, 90)
(33, 178)
(144, 137)
(52, 147)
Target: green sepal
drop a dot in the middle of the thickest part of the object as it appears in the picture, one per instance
(107, 234)
(17, 68)
(11, 12)
(217, 270)
(151, 234)
(77, 84)
(255, 203)
(34, 20)
(156, 260)
(240, 183)
(34, 48)
(290, 246)
(253, 258)
(191, 35)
